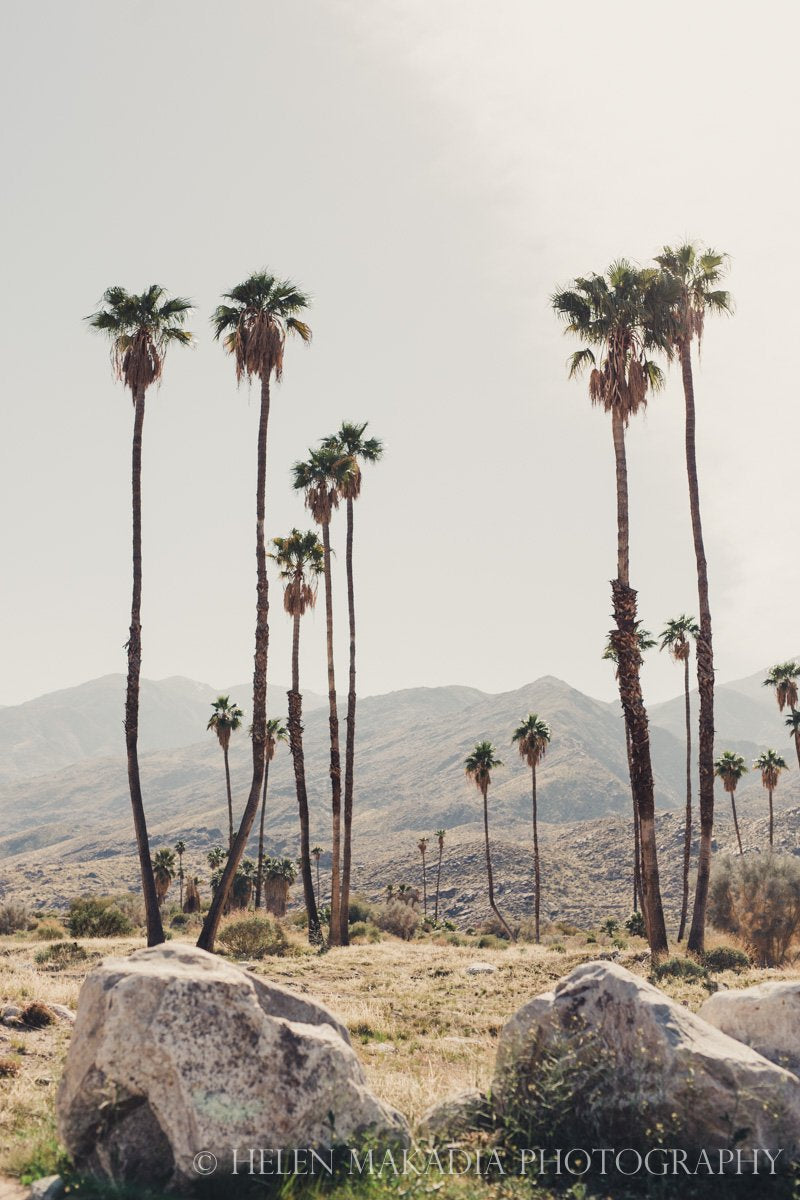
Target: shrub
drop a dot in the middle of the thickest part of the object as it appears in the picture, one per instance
(683, 968)
(36, 1015)
(726, 958)
(489, 941)
(397, 918)
(48, 931)
(9, 1067)
(253, 937)
(494, 926)
(609, 926)
(15, 917)
(635, 924)
(179, 921)
(97, 916)
(61, 955)
(365, 931)
(758, 899)
(360, 909)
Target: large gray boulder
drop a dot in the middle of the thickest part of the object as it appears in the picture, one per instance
(766, 1017)
(614, 1056)
(177, 1052)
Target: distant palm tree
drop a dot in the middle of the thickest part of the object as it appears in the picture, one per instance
(140, 329)
(793, 722)
(299, 558)
(279, 875)
(610, 312)
(320, 477)
(243, 880)
(163, 871)
(783, 678)
(180, 850)
(770, 764)
(422, 846)
(216, 857)
(478, 767)
(688, 290)
(532, 738)
(440, 834)
(258, 316)
(192, 902)
(276, 732)
(225, 720)
(352, 446)
(730, 768)
(677, 637)
(316, 854)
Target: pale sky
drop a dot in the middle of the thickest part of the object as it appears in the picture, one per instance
(429, 170)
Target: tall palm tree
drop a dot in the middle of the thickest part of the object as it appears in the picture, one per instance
(140, 328)
(320, 477)
(356, 449)
(677, 636)
(646, 642)
(440, 835)
(610, 313)
(258, 316)
(316, 854)
(163, 871)
(225, 720)
(422, 846)
(532, 738)
(276, 732)
(689, 290)
(783, 678)
(180, 850)
(478, 767)
(299, 558)
(770, 764)
(730, 768)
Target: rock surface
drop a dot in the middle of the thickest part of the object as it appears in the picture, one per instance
(766, 1017)
(634, 1057)
(481, 968)
(176, 1051)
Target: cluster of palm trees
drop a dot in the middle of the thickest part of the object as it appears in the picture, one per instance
(254, 322)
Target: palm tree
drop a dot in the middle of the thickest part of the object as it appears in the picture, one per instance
(316, 854)
(783, 678)
(422, 846)
(677, 637)
(141, 329)
(610, 313)
(440, 834)
(243, 881)
(646, 642)
(216, 857)
(180, 850)
(254, 323)
(163, 871)
(279, 875)
(770, 764)
(730, 768)
(192, 902)
(299, 558)
(276, 732)
(225, 720)
(532, 738)
(321, 477)
(793, 722)
(689, 290)
(478, 767)
(351, 445)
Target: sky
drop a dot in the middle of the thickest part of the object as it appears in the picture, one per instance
(430, 171)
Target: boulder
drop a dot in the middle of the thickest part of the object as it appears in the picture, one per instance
(607, 1053)
(177, 1052)
(481, 968)
(766, 1017)
(456, 1117)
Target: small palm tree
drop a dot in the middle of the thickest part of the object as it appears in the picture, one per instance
(276, 732)
(730, 768)
(299, 558)
(532, 738)
(316, 854)
(243, 881)
(279, 875)
(163, 871)
(216, 857)
(180, 850)
(793, 723)
(783, 678)
(440, 835)
(254, 322)
(192, 901)
(478, 767)
(422, 846)
(677, 637)
(770, 764)
(141, 329)
(225, 720)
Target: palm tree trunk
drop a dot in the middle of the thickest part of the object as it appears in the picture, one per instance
(230, 797)
(350, 739)
(796, 736)
(259, 739)
(337, 916)
(687, 834)
(424, 887)
(489, 875)
(295, 724)
(626, 645)
(637, 850)
(705, 671)
(259, 876)
(438, 882)
(771, 820)
(736, 823)
(536, 874)
(155, 930)
(319, 888)
(180, 879)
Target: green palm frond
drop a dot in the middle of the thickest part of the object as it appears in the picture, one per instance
(730, 768)
(254, 319)
(140, 328)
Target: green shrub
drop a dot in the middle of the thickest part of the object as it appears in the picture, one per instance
(364, 931)
(591, 940)
(609, 926)
(253, 937)
(635, 924)
(726, 958)
(490, 941)
(97, 916)
(683, 968)
(181, 920)
(360, 909)
(757, 898)
(48, 931)
(15, 917)
(494, 926)
(397, 918)
(61, 955)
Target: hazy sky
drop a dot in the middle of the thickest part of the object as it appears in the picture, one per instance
(429, 170)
